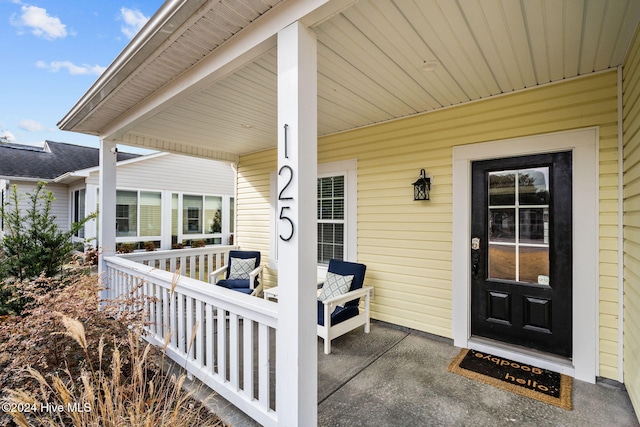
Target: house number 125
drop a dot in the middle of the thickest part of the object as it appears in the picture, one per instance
(282, 196)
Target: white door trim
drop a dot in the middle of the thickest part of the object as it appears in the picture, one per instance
(584, 145)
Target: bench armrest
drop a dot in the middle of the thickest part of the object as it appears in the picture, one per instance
(366, 291)
(214, 277)
(252, 276)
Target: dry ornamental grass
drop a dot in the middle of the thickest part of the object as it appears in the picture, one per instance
(67, 363)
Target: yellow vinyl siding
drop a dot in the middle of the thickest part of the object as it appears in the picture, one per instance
(407, 245)
(253, 207)
(631, 221)
(609, 243)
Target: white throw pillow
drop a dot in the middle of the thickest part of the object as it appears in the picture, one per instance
(335, 285)
(240, 268)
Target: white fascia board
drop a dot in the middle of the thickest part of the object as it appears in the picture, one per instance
(69, 177)
(24, 178)
(166, 12)
(87, 171)
(139, 159)
(249, 44)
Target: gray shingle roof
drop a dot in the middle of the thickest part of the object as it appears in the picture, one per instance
(55, 159)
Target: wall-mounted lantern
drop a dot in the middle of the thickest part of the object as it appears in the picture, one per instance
(422, 187)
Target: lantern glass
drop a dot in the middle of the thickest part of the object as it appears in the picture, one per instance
(421, 187)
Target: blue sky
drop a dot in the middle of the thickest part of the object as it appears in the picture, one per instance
(52, 51)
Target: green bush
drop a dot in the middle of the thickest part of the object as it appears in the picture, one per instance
(33, 243)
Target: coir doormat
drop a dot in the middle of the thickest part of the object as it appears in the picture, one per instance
(537, 383)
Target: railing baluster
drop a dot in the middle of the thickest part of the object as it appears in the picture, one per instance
(181, 328)
(219, 260)
(139, 291)
(116, 284)
(201, 269)
(234, 358)
(190, 338)
(221, 357)
(122, 281)
(209, 267)
(210, 338)
(247, 364)
(200, 337)
(192, 266)
(173, 312)
(264, 386)
(166, 314)
(183, 265)
(158, 296)
(149, 291)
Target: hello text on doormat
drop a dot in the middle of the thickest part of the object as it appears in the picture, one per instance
(540, 384)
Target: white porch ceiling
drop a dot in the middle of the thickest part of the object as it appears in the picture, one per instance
(370, 58)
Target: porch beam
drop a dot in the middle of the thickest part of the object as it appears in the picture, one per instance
(241, 49)
(107, 207)
(296, 345)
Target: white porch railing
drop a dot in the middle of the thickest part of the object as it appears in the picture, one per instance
(195, 263)
(226, 339)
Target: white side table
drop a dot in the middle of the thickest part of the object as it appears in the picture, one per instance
(273, 293)
(270, 293)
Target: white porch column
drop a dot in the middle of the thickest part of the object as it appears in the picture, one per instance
(107, 198)
(90, 206)
(297, 391)
(166, 227)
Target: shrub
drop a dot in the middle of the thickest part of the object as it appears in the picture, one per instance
(91, 255)
(69, 349)
(36, 339)
(34, 244)
(201, 243)
(125, 248)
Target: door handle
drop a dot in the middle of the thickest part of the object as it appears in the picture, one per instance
(475, 256)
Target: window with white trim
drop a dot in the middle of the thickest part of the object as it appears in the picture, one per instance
(126, 213)
(331, 218)
(138, 213)
(78, 206)
(150, 213)
(201, 214)
(192, 214)
(199, 217)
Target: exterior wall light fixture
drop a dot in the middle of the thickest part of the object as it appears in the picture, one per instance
(422, 187)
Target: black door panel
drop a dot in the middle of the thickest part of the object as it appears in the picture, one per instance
(522, 267)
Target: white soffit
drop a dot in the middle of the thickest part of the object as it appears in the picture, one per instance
(370, 65)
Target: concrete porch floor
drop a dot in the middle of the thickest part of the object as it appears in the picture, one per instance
(396, 376)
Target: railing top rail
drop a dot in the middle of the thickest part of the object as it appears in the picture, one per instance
(169, 253)
(249, 306)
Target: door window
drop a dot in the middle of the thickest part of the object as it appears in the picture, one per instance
(519, 225)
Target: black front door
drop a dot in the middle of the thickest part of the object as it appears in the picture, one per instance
(521, 251)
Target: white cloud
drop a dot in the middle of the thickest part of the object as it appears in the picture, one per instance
(41, 23)
(72, 68)
(133, 19)
(8, 136)
(30, 125)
